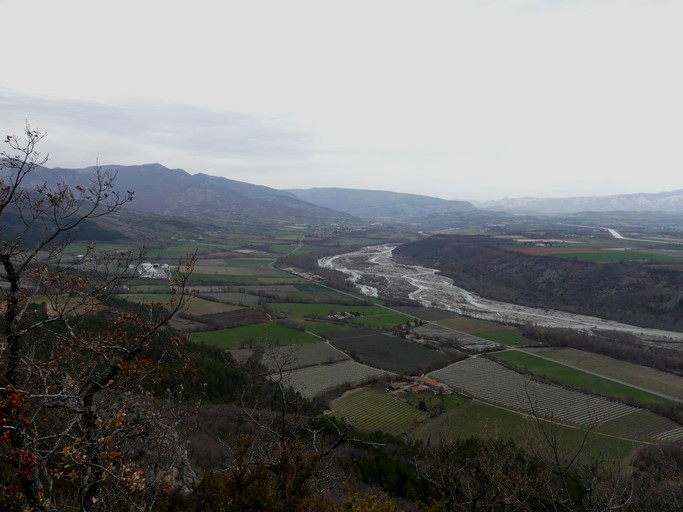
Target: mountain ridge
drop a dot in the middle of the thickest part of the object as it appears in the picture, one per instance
(177, 192)
(382, 204)
(663, 202)
(172, 192)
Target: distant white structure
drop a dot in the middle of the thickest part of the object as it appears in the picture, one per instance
(153, 271)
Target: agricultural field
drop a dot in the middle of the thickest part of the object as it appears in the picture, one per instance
(325, 310)
(248, 262)
(241, 270)
(290, 357)
(620, 256)
(314, 293)
(473, 419)
(295, 293)
(102, 248)
(493, 383)
(577, 378)
(614, 251)
(434, 402)
(365, 315)
(313, 380)
(54, 305)
(180, 251)
(244, 278)
(282, 249)
(238, 298)
(491, 331)
(477, 419)
(239, 274)
(643, 425)
(319, 328)
(193, 306)
(257, 335)
(392, 353)
(147, 288)
(384, 320)
(376, 410)
(427, 314)
(469, 325)
(450, 337)
(505, 336)
(558, 250)
(649, 378)
(234, 271)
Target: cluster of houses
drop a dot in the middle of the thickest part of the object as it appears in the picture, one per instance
(420, 385)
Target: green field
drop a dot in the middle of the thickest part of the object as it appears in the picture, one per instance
(476, 419)
(375, 410)
(577, 378)
(282, 249)
(316, 327)
(469, 325)
(506, 336)
(371, 316)
(250, 262)
(641, 424)
(621, 256)
(436, 402)
(382, 321)
(240, 298)
(636, 375)
(326, 309)
(314, 294)
(257, 335)
(260, 278)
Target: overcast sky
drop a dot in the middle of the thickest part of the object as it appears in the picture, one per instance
(459, 99)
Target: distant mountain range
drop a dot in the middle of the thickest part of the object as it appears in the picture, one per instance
(175, 192)
(380, 204)
(662, 202)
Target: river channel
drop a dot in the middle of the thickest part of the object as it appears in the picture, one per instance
(375, 273)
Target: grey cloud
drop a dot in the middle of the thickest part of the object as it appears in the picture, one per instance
(184, 129)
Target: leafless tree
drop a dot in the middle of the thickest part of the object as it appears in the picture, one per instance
(74, 419)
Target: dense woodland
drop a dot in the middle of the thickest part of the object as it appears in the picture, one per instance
(617, 291)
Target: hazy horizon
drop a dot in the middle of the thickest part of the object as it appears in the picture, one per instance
(472, 100)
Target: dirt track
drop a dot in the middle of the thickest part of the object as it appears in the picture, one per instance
(375, 273)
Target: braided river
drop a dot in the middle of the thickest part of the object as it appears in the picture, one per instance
(375, 273)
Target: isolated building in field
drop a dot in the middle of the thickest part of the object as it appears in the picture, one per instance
(153, 271)
(432, 384)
